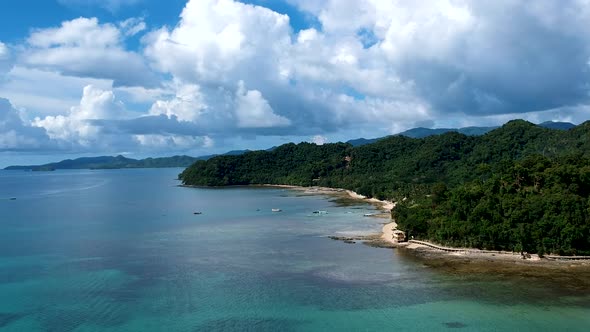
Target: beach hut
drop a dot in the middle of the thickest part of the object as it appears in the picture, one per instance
(399, 236)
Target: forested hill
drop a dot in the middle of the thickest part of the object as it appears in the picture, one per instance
(109, 162)
(518, 187)
(470, 131)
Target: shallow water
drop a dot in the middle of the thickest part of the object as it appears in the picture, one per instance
(121, 250)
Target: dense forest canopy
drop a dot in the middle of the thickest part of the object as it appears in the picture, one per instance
(518, 187)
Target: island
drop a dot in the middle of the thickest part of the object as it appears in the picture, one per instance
(117, 162)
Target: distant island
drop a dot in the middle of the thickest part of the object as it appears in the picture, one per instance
(519, 187)
(109, 162)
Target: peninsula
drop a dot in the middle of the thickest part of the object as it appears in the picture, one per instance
(519, 188)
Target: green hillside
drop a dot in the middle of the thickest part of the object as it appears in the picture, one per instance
(452, 188)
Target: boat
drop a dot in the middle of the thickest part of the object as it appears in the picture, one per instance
(13, 198)
(276, 210)
(198, 212)
(320, 212)
(369, 214)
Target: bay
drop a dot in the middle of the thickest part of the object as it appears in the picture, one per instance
(122, 250)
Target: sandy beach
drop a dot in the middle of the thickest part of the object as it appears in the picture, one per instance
(386, 239)
(387, 232)
(424, 249)
(384, 205)
(430, 250)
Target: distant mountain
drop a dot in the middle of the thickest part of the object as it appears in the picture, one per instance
(425, 132)
(110, 162)
(362, 141)
(421, 132)
(557, 125)
(235, 152)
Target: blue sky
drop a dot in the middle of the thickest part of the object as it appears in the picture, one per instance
(154, 78)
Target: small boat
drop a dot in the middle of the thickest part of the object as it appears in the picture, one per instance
(369, 214)
(276, 210)
(320, 212)
(198, 212)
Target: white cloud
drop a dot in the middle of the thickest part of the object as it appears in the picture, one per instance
(6, 59)
(80, 32)
(230, 69)
(221, 44)
(83, 47)
(15, 134)
(458, 56)
(219, 41)
(132, 26)
(218, 110)
(77, 126)
(253, 111)
(4, 52)
(319, 139)
(186, 105)
(42, 92)
(162, 142)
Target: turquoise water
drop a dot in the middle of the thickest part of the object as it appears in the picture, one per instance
(121, 250)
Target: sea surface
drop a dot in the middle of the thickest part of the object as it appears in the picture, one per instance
(122, 250)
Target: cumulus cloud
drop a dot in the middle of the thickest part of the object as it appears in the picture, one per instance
(84, 47)
(76, 126)
(218, 110)
(319, 140)
(163, 142)
(218, 40)
(307, 81)
(253, 111)
(468, 56)
(16, 134)
(230, 69)
(187, 105)
(100, 122)
(45, 92)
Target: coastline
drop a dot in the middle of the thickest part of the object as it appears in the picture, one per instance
(426, 250)
(383, 240)
(429, 252)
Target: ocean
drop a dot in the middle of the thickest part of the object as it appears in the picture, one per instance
(123, 250)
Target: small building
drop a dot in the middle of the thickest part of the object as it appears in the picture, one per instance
(399, 236)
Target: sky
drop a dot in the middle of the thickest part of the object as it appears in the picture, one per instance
(160, 78)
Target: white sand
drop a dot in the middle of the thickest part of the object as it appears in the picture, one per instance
(388, 232)
(385, 205)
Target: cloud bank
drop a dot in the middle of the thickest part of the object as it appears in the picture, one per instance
(228, 69)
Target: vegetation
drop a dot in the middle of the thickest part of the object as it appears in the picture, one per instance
(518, 187)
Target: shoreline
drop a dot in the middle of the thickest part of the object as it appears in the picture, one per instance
(422, 249)
(383, 205)
(430, 251)
(383, 240)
